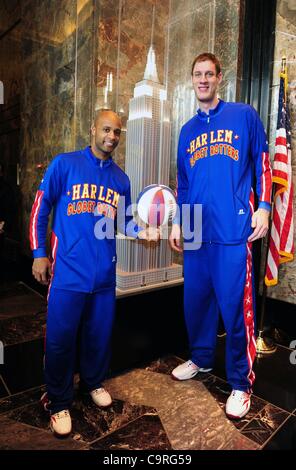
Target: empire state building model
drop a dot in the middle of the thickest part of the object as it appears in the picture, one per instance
(147, 162)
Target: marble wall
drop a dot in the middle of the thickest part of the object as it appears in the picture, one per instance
(183, 29)
(285, 45)
(10, 64)
(114, 37)
(124, 35)
(10, 76)
(69, 48)
(58, 65)
(197, 26)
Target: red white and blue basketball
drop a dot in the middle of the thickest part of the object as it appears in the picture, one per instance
(156, 205)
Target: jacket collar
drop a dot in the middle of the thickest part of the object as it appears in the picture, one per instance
(212, 112)
(97, 161)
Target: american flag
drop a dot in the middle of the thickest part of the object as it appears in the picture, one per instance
(281, 245)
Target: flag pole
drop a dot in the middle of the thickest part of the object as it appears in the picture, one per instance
(266, 345)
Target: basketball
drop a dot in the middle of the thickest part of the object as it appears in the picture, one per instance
(156, 205)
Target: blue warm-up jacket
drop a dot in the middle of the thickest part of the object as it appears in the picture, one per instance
(85, 194)
(218, 155)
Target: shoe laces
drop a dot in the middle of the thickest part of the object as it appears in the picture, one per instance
(191, 364)
(240, 395)
(62, 414)
(99, 391)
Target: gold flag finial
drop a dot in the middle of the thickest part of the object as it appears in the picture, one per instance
(284, 75)
(284, 63)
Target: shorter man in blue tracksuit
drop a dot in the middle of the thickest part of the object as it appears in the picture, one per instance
(85, 189)
(220, 149)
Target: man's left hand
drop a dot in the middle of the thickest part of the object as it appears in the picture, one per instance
(151, 234)
(260, 221)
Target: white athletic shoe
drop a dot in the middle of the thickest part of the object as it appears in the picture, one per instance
(238, 404)
(101, 397)
(60, 423)
(187, 370)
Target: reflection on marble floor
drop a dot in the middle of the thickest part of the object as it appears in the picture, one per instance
(89, 421)
(150, 410)
(18, 436)
(190, 415)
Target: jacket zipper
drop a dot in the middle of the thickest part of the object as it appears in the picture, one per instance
(97, 250)
(210, 187)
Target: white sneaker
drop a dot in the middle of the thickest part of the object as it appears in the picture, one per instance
(60, 423)
(238, 404)
(101, 397)
(187, 370)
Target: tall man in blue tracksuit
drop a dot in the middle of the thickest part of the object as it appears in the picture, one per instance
(86, 190)
(220, 149)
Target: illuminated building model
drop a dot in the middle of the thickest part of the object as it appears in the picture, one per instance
(147, 162)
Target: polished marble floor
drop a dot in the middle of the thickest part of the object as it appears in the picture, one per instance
(150, 411)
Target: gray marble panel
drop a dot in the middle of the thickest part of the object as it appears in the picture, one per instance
(192, 37)
(285, 46)
(286, 16)
(187, 38)
(182, 8)
(226, 31)
(85, 84)
(196, 30)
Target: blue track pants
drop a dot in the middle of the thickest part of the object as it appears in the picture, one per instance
(93, 314)
(218, 278)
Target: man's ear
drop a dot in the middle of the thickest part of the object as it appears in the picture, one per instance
(93, 129)
(220, 77)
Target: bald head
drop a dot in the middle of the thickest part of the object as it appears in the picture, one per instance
(105, 133)
(101, 113)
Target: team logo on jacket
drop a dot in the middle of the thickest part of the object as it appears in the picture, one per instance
(91, 198)
(214, 143)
